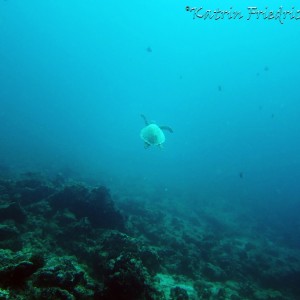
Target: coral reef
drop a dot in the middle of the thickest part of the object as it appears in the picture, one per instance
(72, 241)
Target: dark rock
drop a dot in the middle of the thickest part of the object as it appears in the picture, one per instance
(12, 211)
(178, 293)
(32, 195)
(64, 276)
(150, 259)
(126, 278)
(96, 205)
(115, 242)
(72, 197)
(64, 273)
(102, 212)
(31, 183)
(281, 279)
(15, 275)
(55, 294)
(6, 186)
(38, 260)
(213, 272)
(8, 232)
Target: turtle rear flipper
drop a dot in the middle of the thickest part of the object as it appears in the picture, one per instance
(145, 120)
(146, 145)
(166, 128)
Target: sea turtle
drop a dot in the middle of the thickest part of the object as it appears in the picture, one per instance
(152, 134)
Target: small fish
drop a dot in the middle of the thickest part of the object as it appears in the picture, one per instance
(241, 175)
(219, 88)
(149, 49)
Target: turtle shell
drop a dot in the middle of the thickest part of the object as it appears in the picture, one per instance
(152, 135)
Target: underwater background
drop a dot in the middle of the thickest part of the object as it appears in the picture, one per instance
(75, 78)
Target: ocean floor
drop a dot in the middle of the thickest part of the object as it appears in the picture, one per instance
(68, 239)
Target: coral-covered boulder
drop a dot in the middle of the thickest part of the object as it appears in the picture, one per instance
(95, 204)
(127, 278)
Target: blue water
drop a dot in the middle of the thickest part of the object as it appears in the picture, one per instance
(76, 75)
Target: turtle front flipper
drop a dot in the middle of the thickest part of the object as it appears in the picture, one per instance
(145, 120)
(166, 128)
